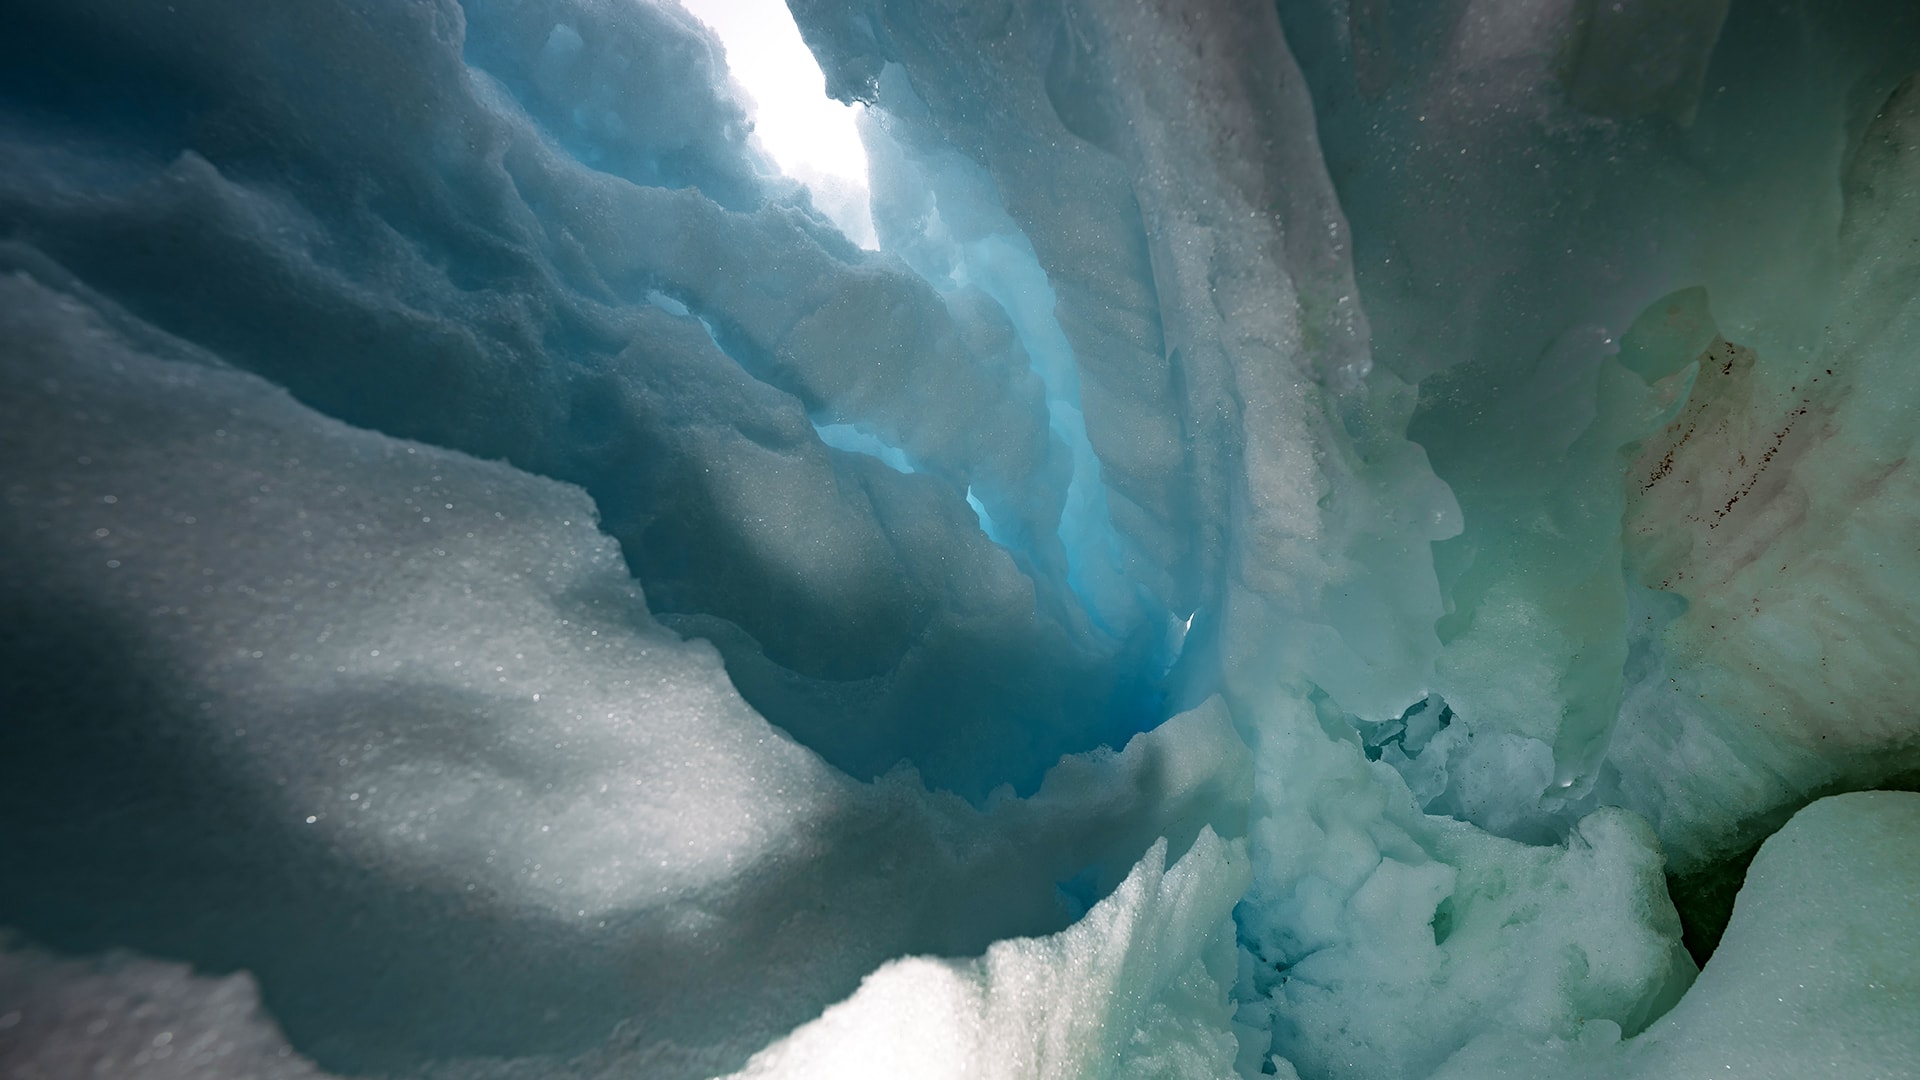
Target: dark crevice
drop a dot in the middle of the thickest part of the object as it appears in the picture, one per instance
(1704, 896)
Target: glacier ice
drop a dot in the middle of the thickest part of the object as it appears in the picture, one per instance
(1135, 988)
(1313, 539)
(431, 705)
(1816, 978)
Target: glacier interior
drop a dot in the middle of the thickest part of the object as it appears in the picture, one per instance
(1363, 539)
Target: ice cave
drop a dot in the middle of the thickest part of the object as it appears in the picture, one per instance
(950, 539)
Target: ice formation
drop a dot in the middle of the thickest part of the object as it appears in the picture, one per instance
(1318, 539)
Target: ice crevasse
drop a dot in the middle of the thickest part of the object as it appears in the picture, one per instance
(1314, 539)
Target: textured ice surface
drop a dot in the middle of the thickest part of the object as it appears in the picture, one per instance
(1524, 196)
(667, 344)
(1137, 988)
(1362, 907)
(423, 703)
(1769, 503)
(1317, 545)
(1814, 978)
(124, 1016)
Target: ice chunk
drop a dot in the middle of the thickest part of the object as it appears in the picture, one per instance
(1137, 988)
(1379, 940)
(1814, 976)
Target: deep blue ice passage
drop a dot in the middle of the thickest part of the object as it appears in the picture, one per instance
(1314, 539)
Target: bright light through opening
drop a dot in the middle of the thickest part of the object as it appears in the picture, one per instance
(810, 136)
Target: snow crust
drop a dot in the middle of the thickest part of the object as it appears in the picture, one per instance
(1318, 543)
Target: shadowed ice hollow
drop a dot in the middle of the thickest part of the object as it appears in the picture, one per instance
(564, 539)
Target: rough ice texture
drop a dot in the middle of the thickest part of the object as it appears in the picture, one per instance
(1815, 976)
(1769, 503)
(1258, 479)
(1378, 940)
(1458, 137)
(474, 272)
(1137, 988)
(1522, 196)
(124, 1016)
(419, 701)
(1442, 467)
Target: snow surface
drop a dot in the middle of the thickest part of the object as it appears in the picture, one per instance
(1312, 540)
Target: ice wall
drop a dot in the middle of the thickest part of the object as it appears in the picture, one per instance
(392, 727)
(1318, 545)
(1531, 200)
(504, 275)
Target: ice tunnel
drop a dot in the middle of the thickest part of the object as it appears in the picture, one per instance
(1073, 539)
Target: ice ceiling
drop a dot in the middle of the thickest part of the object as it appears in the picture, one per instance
(551, 539)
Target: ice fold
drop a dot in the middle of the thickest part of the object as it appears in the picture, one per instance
(1316, 514)
(419, 700)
